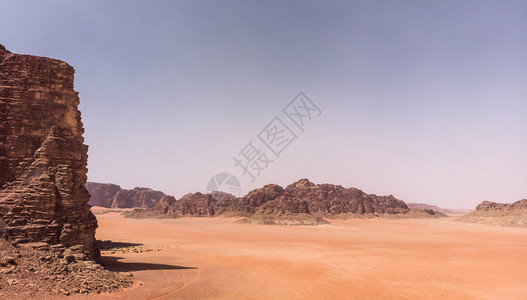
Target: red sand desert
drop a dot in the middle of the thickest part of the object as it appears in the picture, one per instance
(216, 258)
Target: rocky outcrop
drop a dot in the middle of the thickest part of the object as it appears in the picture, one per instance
(42, 154)
(102, 194)
(217, 203)
(197, 205)
(329, 200)
(112, 196)
(501, 214)
(302, 198)
(516, 207)
(252, 202)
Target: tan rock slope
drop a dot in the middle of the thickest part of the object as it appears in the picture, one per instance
(113, 196)
(301, 203)
(501, 214)
(518, 207)
(42, 154)
(451, 211)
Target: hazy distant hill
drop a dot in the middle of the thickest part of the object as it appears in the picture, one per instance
(501, 214)
(113, 196)
(437, 208)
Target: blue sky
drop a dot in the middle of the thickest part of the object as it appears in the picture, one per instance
(425, 100)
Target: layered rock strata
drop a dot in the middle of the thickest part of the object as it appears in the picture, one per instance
(42, 154)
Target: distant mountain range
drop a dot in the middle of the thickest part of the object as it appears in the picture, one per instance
(300, 203)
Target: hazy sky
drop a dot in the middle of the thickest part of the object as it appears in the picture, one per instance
(425, 100)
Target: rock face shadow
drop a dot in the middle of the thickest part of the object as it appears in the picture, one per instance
(112, 263)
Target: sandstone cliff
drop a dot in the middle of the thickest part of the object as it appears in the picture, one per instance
(42, 154)
(113, 196)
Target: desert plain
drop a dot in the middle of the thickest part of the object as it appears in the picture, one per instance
(218, 258)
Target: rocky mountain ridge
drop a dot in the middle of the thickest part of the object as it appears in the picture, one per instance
(313, 201)
(113, 196)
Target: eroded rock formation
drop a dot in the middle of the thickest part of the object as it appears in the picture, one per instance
(501, 214)
(302, 198)
(330, 200)
(197, 204)
(516, 207)
(42, 154)
(113, 196)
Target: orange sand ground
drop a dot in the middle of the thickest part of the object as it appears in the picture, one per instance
(355, 259)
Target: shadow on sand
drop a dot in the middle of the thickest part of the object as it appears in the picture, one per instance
(109, 245)
(112, 263)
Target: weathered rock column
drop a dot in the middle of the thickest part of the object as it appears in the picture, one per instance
(42, 154)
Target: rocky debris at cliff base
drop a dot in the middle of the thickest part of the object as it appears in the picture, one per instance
(416, 214)
(291, 220)
(97, 210)
(42, 270)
